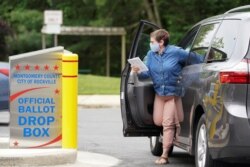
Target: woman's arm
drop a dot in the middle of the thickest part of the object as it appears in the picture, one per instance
(145, 74)
(183, 55)
(194, 58)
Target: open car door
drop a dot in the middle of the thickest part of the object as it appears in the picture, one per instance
(137, 96)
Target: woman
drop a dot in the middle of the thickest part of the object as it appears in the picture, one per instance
(165, 63)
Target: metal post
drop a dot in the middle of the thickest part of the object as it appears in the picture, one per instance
(55, 40)
(123, 52)
(43, 41)
(108, 58)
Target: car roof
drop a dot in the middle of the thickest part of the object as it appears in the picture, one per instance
(245, 8)
(231, 14)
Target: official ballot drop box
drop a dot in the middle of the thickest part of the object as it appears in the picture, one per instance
(35, 99)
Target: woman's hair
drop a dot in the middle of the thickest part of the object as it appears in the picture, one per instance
(161, 34)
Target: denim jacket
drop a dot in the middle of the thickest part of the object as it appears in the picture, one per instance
(165, 70)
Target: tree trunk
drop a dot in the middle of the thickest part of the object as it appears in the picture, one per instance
(149, 11)
(152, 12)
(157, 15)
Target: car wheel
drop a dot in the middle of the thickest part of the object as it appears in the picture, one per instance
(202, 157)
(156, 146)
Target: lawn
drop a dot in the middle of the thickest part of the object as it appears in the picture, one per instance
(93, 84)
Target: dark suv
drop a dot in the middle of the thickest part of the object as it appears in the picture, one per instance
(217, 99)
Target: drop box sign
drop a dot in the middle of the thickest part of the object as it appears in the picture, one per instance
(35, 99)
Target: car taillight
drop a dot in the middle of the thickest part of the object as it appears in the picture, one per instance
(234, 77)
(237, 75)
(4, 71)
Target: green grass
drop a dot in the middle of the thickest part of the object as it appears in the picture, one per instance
(92, 84)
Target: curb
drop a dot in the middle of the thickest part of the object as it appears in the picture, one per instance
(99, 101)
(98, 106)
(34, 157)
(37, 157)
(4, 143)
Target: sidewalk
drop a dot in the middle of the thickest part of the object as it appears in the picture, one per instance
(34, 157)
(99, 101)
(52, 157)
(37, 157)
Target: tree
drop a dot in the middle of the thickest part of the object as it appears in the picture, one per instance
(25, 18)
(5, 30)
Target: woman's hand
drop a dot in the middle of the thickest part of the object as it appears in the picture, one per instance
(135, 69)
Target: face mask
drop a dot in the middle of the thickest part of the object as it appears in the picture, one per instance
(155, 47)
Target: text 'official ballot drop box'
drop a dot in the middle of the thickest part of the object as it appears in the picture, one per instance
(36, 99)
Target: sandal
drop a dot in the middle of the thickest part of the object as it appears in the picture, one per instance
(162, 160)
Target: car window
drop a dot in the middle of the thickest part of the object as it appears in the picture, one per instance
(202, 43)
(189, 44)
(143, 44)
(224, 41)
(187, 41)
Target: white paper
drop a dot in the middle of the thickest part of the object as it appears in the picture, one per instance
(136, 62)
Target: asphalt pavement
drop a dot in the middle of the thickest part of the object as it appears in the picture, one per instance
(100, 135)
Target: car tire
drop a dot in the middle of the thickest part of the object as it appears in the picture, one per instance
(156, 146)
(202, 157)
